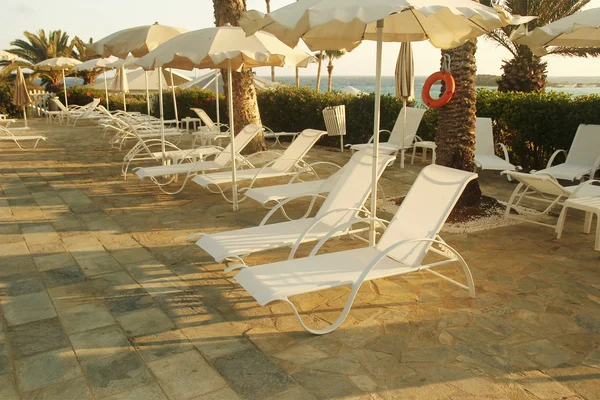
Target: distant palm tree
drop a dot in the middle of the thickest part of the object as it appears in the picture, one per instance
(84, 54)
(332, 55)
(319, 56)
(525, 72)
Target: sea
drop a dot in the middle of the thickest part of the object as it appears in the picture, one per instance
(574, 85)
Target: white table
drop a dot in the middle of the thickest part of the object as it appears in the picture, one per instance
(591, 205)
(424, 145)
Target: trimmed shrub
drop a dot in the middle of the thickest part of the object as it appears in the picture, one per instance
(6, 105)
(81, 96)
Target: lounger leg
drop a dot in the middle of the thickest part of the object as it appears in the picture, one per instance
(331, 327)
(587, 223)
(412, 161)
(433, 156)
(597, 243)
(560, 224)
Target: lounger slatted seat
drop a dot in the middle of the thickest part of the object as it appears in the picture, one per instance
(411, 235)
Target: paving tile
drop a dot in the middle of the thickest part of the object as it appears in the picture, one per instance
(160, 345)
(100, 343)
(221, 394)
(130, 256)
(16, 265)
(155, 278)
(54, 261)
(85, 317)
(186, 375)
(46, 369)
(325, 385)
(8, 388)
(253, 375)
(112, 375)
(44, 249)
(63, 276)
(5, 362)
(217, 339)
(75, 389)
(13, 249)
(36, 337)
(16, 285)
(128, 301)
(28, 308)
(151, 392)
(145, 322)
(73, 295)
(99, 265)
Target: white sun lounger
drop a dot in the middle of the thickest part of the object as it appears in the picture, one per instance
(344, 202)
(287, 164)
(583, 157)
(221, 161)
(543, 188)
(485, 155)
(211, 130)
(394, 143)
(411, 235)
(6, 135)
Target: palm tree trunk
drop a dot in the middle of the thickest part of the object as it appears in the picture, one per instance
(329, 75)
(455, 137)
(318, 85)
(244, 93)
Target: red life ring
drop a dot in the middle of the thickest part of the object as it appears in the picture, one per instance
(445, 98)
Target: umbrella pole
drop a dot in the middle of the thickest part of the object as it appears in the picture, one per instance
(217, 97)
(232, 133)
(174, 97)
(147, 92)
(376, 130)
(403, 132)
(25, 117)
(65, 88)
(124, 103)
(106, 91)
(162, 118)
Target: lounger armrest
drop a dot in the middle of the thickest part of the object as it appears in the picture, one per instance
(312, 165)
(265, 129)
(249, 157)
(283, 203)
(504, 150)
(556, 153)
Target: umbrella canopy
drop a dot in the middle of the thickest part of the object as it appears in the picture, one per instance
(405, 83)
(59, 64)
(6, 56)
(352, 90)
(344, 24)
(136, 81)
(138, 41)
(224, 47)
(97, 63)
(578, 30)
(128, 63)
(21, 94)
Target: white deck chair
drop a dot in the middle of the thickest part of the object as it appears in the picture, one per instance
(211, 130)
(287, 164)
(88, 112)
(221, 161)
(485, 155)
(583, 157)
(411, 235)
(542, 187)
(6, 135)
(344, 203)
(394, 142)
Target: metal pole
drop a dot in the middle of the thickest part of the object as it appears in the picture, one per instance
(65, 88)
(217, 74)
(232, 134)
(124, 103)
(403, 132)
(376, 130)
(162, 118)
(147, 93)
(25, 117)
(174, 97)
(106, 91)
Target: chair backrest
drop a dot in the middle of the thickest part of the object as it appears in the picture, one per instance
(206, 120)
(59, 104)
(484, 137)
(90, 108)
(423, 211)
(586, 146)
(540, 182)
(413, 120)
(241, 140)
(297, 149)
(353, 186)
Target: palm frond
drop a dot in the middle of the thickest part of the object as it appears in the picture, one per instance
(576, 51)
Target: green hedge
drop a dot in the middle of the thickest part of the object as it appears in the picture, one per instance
(81, 95)
(6, 105)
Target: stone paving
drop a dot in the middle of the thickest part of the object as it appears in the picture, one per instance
(103, 298)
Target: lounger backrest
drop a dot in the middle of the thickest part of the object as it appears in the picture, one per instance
(352, 188)
(413, 120)
(484, 137)
(297, 149)
(586, 146)
(540, 182)
(423, 211)
(90, 108)
(241, 140)
(59, 104)
(206, 120)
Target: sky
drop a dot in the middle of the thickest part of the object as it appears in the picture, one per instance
(97, 20)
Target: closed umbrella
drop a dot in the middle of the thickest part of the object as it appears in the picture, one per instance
(59, 64)
(405, 84)
(120, 84)
(21, 95)
(117, 85)
(578, 30)
(224, 47)
(97, 63)
(344, 24)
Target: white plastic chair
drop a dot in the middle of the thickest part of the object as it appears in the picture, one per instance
(211, 130)
(583, 157)
(345, 201)
(287, 164)
(411, 235)
(6, 135)
(485, 154)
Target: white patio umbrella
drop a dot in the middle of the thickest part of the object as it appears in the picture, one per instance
(59, 64)
(120, 84)
(224, 47)
(578, 30)
(21, 94)
(405, 84)
(97, 63)
(6, 56)
(344, 24)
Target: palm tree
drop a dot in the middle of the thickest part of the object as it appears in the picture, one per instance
(84, 54)
(39, 47)
(525, 72)
(332, 55)
(319, 56)
(244, 93)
